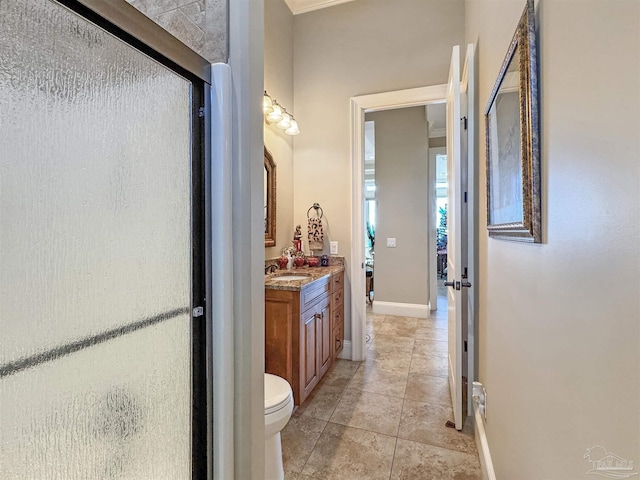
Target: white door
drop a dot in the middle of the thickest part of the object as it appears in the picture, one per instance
(455, 237)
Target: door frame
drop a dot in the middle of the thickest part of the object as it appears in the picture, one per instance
(361, 105)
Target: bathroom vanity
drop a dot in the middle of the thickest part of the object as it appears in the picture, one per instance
(304, 326)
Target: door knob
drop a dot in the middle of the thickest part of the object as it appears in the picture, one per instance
(466, 284)
(449, 284)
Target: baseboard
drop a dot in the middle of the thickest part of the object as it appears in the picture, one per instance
(346, 350)
(483, 445)
(401, 309)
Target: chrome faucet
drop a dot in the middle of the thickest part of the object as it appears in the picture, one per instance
(270, 268)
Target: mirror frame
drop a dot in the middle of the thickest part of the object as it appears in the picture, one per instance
(528, 227)
(270, 227)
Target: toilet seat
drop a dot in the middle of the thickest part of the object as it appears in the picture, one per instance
(277, 393)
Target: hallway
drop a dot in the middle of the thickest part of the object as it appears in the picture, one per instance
(384, 418)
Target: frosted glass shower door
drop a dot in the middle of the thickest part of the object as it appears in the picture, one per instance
(95, 253)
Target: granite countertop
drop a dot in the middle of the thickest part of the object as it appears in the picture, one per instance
(312, 274)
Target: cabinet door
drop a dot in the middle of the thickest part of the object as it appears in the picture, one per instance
(324, 337)
(279, 309)
(309, 364)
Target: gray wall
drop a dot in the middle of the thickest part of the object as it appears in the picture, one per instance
(278, 82)
(200, 24)
(559, 323)
(366, 46)
(401, 273)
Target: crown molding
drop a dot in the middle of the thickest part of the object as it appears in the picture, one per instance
(303, 6)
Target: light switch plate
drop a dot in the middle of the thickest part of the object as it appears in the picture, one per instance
(333, 246)
(391, 242)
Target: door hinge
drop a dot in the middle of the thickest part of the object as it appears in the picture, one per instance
(201, 112)
(465, 346)
(198, 311)
(464, 122)
(465, 197)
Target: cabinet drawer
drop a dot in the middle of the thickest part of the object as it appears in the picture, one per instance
(312, 292)
(337, 316)
(337, 282)
(338, 340)
(337, 298)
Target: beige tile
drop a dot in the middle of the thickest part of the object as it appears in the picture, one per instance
(427, 388)
(195, 11)
(399, 330)
(375, 318)
(377, 380)
(322, 402)
(340, 373)
(435, 365)
(432, 333)
(394, 343)
(183, 28)
(433, 322)
(426, 347)
(344, 453)
(298, 439)
(425, 423)
(388, 359)
(417, 461)
(374, 327)
(407, 322)
(369, 411)
(295, 476)
(216, 37)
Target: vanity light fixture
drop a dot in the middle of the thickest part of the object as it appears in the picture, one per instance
(267, 104)
(286, 120)
(293, 129)
(275, 113)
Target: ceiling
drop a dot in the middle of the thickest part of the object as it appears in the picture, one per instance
(303, 6)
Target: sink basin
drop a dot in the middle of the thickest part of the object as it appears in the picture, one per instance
(289, 278)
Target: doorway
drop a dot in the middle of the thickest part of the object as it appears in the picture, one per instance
(359, 107)
(407, 98)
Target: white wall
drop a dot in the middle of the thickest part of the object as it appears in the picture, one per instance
(278, 82)
(348, 50)
(401, 145)
(559, 323)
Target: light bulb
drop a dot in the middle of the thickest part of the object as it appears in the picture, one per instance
(267, 104)
(285, 122)
(293, 129)
(276, 115)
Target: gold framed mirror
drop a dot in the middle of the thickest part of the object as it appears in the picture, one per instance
(513, 141)
(269, 199)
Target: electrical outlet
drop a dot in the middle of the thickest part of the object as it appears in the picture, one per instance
(333, 246)
(391, 242)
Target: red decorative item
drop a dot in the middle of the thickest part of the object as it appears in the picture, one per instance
(313, 261)
(298, 261)
(282, 262)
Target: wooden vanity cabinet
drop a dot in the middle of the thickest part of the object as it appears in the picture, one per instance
(337, 313)
(304, 331)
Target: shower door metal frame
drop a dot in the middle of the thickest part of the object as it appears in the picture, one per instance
(131, 26)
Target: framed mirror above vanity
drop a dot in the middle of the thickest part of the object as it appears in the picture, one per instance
(269, 199)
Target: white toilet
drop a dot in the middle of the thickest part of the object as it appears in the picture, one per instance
(278, 406)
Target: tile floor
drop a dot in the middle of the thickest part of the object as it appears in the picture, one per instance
(384, 418)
